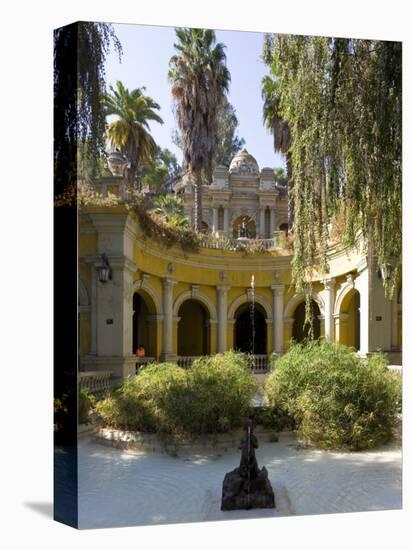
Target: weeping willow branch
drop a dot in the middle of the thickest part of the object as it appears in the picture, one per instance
(342, 101)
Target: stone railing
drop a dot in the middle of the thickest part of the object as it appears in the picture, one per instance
(245, 244)
(260, 363)
(95, 381)
(186, 360)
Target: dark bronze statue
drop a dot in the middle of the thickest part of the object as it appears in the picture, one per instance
(243, 230)
(247, 486)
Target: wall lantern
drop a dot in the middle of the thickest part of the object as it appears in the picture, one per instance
(104, 270)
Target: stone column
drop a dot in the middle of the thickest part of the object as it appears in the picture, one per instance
(222, 291)
(114, 324)
(93, 312)
(262, 222)
(214, 220)
(272, 222)
(329, 294)
(167, 339)
(226, 221)
(277, 317)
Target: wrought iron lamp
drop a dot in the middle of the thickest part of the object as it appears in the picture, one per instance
(104, 270)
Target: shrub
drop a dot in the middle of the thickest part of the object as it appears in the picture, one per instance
(213, 395)
(221, 387)
(335, 398)
(86, 401)
(273, 417)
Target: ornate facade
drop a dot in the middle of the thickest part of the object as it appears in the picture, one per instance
(240, 192)
(179, 304)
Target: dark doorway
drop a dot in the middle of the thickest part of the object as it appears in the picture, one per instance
(300, 330)
(144, 324)
(243, 339)
(193, 330)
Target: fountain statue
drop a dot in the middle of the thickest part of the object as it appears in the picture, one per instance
(247, 486)
(243, 230)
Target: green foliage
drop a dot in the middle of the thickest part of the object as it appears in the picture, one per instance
(335, 398)
(160, 174)
(156, 226)
(78, 113)
(227, 143)
(86, 401)
(170, 208)
(213, 395)
(342, 102)
(130, 131)
(280, 175)
(273, 417)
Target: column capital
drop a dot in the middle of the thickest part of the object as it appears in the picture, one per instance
(278, 290)
(341, 316)
(350, 279)
(222, 289)
(329, 283)
(168, 282)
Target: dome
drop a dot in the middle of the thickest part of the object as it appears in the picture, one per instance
(244, 164)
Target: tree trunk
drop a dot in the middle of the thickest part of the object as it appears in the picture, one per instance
(198, 201)
(291, 206)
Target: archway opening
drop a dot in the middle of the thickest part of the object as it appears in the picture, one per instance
(284, 227)
(350, 330)
(244, 226)
(300, 329)
(204, 228)
(144, 323)
(245, 324)
(193, 333)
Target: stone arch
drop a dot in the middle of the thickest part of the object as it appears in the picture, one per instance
(144, 322)
(250, 224)
(343, 292)
(194, 294)
(142, 285)
(83, 294)
(243, 299)
(297, 299)
(193, 328)
(250, 334)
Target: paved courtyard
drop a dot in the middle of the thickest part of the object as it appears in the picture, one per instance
(119, 488)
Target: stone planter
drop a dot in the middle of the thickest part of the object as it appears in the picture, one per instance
(206, 444)
(117, 163)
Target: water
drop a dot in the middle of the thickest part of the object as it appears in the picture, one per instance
(252, 315)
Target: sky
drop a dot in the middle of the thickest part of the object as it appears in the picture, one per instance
(145, 61)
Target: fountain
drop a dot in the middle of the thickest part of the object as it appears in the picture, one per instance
(247, 486)
(252, 316)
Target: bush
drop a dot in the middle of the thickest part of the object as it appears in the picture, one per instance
(86, 401)
(273, 417)
(335, 398)
(213, 395)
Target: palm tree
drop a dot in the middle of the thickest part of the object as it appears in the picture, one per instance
(170, 208)
(282, 139)
(130, 131)
(199, 79)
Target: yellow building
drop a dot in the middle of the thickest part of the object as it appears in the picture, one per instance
(180, 304)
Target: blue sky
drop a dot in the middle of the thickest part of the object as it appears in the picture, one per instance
(145, 61)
